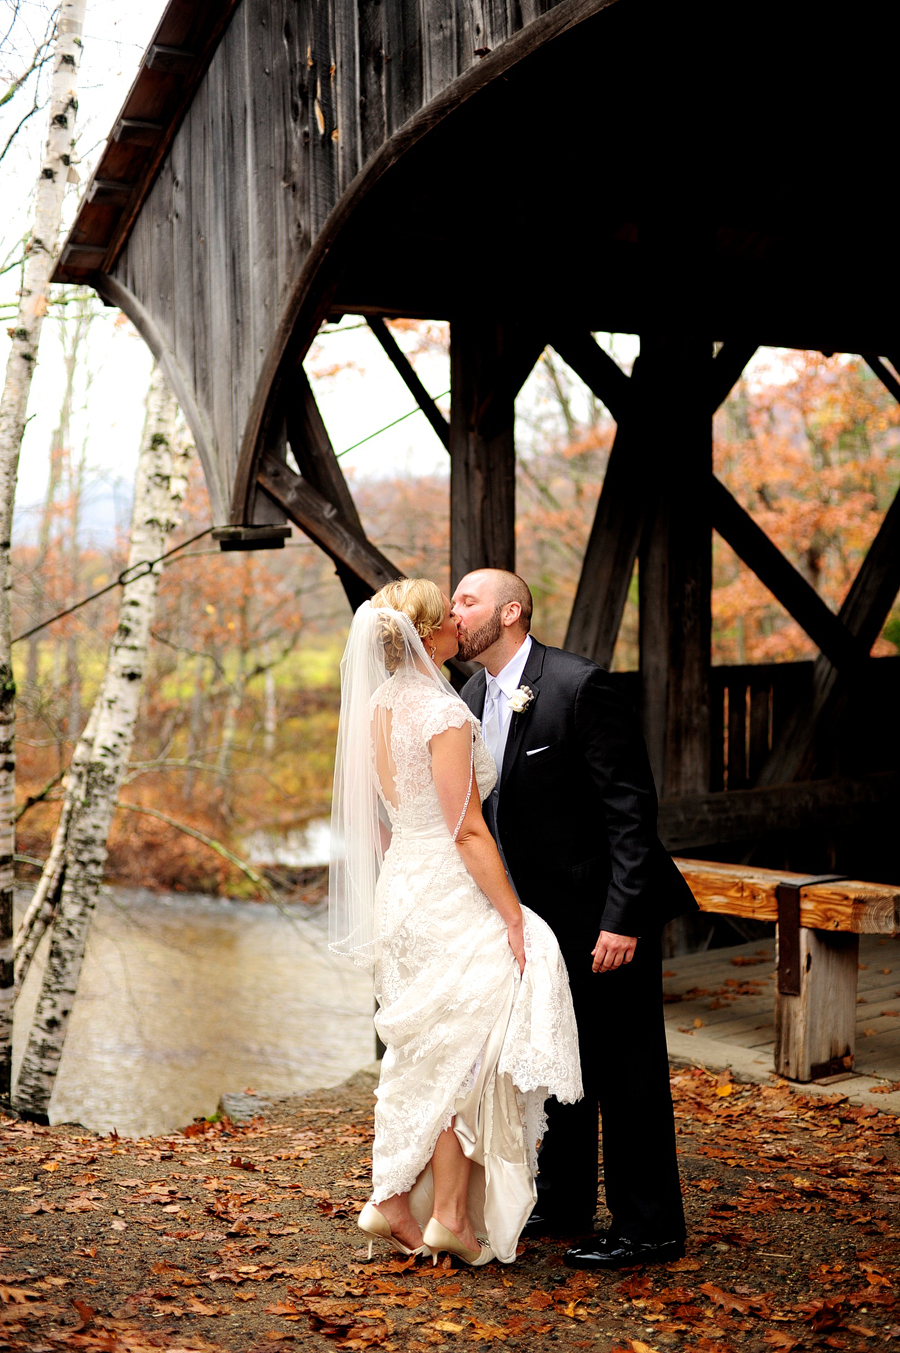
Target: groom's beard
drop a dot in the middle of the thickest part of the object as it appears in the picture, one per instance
(470, 645)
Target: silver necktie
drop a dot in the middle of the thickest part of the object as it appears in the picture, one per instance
(491, 723)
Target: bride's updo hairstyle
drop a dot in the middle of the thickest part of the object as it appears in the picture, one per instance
(417, 598)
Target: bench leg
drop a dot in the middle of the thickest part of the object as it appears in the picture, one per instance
(815, 1032)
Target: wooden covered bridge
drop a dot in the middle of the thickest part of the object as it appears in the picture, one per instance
(535, 172)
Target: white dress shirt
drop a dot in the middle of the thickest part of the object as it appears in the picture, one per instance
(495, 720)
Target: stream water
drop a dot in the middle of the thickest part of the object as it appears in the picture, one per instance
(183, 997)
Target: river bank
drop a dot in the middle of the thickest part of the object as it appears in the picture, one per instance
(240, 1237)
(183, 994)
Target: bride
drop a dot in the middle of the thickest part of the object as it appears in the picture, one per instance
(475, 1010)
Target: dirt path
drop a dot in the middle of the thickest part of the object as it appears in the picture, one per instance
(242, 1238)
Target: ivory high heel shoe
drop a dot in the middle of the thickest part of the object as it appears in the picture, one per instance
(375, 1226)
(437, 1238)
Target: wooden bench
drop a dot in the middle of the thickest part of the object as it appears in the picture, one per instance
(819, 920)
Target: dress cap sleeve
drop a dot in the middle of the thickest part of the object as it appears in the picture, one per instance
(444, 712)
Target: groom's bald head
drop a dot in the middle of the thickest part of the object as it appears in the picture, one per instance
(493, 612)
(507, 587)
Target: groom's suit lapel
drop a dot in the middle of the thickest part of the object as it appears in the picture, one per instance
(531, 677)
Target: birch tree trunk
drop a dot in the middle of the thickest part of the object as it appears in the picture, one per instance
(159, 491)
(45, 899)
(51, 187)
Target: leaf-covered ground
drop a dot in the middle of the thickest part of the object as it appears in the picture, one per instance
(242, 1238)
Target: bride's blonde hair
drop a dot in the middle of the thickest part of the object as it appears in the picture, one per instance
(416, 598)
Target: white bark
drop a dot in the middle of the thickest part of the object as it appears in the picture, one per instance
(43, 904)
(159, 491)
(51, 187)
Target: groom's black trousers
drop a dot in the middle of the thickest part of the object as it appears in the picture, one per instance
(625, 1069)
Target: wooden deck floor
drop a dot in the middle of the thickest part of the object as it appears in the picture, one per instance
(726, 997)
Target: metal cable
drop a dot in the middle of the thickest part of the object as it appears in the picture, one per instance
(128, 575)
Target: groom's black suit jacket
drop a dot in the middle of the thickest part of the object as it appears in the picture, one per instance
(576, 819)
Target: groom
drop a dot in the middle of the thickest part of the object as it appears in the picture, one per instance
(574, 816)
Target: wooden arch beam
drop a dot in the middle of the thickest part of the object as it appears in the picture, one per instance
(315, 284)
(114, 293)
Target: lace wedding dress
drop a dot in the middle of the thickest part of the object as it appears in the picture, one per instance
(467, 1040)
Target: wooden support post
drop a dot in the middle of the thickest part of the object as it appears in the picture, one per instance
(615, 536)
(489, 360)
(675, 559)
(815, 1029)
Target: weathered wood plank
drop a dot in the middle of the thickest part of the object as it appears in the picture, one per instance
(373, 130)
(160, 251)
(742, 890)
(184, 318)
(199, 191)
(407, 373)
(223, 322)
(403, 62)
(346, 94)
(440, 62)
(233, 237)
(739, 814)
(322, 149)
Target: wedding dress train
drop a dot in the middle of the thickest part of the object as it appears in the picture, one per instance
(468, 1041)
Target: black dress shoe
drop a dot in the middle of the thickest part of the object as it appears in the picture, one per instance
(606, 1251)
(538, 1225)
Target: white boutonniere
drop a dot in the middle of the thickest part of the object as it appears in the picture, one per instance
(521, 699)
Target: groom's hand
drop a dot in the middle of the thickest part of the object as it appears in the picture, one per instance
(611, 951)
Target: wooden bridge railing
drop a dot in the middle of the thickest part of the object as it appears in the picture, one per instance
(749, 707)
(819, 921)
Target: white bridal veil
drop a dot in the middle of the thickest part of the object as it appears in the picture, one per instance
(381, 645)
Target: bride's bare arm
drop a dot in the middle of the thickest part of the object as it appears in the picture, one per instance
(451, 761)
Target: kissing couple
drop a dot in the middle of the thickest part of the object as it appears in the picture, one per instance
(495, 862)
